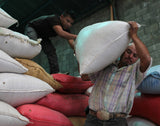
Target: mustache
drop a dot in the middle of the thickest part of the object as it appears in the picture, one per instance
(129, 59)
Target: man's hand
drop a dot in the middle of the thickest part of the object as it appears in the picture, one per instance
(141, 49)
(71, 43)
(133, 29)
(66, 35)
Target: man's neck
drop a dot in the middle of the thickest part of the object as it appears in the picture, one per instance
(120, 64)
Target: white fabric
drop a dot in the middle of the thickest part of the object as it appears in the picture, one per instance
(89, 90)
(153, 69)
(6, 19)
(18, 45)
(8, 64)
(17, 89)
(137, 121)
(100, 44)
(9, 116)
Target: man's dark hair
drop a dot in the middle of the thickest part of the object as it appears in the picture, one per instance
(70, 13)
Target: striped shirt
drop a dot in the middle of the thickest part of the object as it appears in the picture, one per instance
(114, 88)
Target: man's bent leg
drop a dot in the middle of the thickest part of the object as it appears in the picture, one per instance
(31, 33)
(53, 63)
(50, 51)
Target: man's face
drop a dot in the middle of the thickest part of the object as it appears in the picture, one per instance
(66, 21)
(129, 56)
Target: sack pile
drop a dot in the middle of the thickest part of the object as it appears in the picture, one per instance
(147, 104)
(29, 96)
(18, 84)
(69, 100)
(66, 106)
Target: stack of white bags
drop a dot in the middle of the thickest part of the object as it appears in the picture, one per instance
(16, 88)
(96, 46)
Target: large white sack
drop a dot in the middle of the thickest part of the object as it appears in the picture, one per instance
(18, 45)
(100, 44)
(9, 116)
(6, 19)
(8, 64)
(18, 89)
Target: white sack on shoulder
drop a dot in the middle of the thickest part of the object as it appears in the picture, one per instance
(6, 19)
(8, 64)
(18, 45)
(100, 44)
(9, 116)
(18, 89)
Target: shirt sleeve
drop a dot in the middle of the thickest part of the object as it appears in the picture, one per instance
(139, 75)
(93, 76)
(53, 20)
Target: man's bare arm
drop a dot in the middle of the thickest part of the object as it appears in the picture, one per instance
(71, 43)
(66, 35)
(141, 49)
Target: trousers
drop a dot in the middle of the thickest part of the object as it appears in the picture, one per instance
(47, 48)
(94, 121)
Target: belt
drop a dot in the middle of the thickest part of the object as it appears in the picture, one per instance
(104, 115)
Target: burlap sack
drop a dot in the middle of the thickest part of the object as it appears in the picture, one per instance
(77, 121)
(36, 70)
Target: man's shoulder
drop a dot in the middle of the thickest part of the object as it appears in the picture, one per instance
(44, 17)
(53, 17)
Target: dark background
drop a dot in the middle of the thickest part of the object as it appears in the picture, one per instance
(26, 10)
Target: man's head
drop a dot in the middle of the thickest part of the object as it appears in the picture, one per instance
(67, 19)
(129, 56)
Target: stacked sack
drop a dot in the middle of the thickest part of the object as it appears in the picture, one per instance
(147, 104)
(9, 115)
(24, 82)
(40, 115)
(69, 100)
(64, 107)
(17, 85)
